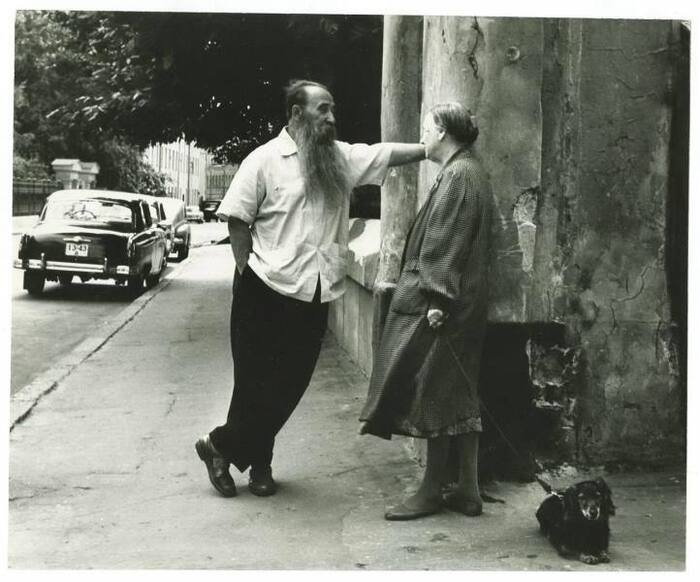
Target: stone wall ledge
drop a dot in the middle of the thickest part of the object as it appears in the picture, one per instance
(363, 255)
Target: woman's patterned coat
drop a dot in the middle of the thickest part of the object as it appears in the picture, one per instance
(417, 387)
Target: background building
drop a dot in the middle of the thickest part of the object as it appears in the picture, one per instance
(219, 178)
(75, 174)
(184, 164)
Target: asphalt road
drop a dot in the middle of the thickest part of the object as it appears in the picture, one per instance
(47, 327)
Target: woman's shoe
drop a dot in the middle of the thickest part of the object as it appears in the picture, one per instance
(403, 513)
(457, 502)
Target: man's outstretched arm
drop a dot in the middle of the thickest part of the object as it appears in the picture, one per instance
(241, 241)
(405, 153)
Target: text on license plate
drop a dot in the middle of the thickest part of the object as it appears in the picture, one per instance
(76, 249)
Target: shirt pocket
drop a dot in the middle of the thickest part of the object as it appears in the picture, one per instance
(283, 196)
(408, 298)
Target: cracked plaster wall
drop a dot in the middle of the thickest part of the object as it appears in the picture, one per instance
(602, 266)
(575, 120)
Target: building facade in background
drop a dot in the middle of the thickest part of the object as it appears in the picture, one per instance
(75, 174)
(186, 167)
(219, 177)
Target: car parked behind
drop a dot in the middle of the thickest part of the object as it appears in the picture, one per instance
(158, 217)
(194, 214)
(179, 227)
(209, 208)
(93, 234)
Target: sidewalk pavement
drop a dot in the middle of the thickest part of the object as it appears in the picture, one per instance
(103, 471)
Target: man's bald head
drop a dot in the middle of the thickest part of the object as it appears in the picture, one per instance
(298, 92)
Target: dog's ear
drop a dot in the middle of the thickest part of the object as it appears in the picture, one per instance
(607, 496)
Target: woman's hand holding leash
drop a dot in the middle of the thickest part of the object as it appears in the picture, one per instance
(436, 317)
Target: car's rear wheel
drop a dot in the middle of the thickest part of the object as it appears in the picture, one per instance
(152, 280)
(184, 251)
(135, 284)
(65, 279)
(34, 282)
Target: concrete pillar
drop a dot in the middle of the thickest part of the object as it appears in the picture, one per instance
(611, 240)
(401, 99)
(494, 67)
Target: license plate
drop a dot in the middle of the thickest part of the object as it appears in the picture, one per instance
(76, 249)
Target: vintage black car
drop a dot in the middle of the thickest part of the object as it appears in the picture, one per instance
(94, 234)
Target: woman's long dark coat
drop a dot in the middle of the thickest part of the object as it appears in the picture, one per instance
(417, 387)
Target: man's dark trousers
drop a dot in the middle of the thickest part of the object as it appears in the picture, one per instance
(275, 343)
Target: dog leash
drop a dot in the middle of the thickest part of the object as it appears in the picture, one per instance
(546, 486)
(512, 447)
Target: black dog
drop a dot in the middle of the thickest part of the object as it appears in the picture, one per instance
(576, 520)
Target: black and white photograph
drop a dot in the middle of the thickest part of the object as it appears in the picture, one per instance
(373, 289)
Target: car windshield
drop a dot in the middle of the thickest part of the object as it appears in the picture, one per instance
(92, 212)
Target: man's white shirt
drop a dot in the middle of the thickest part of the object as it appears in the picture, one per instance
(297, 236)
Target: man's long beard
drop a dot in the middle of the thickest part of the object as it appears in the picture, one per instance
(322, 166)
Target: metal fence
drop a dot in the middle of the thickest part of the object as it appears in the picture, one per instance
(28, 196)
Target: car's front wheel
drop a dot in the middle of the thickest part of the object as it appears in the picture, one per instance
(34, 282)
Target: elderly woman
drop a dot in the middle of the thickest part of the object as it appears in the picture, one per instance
(426, 369)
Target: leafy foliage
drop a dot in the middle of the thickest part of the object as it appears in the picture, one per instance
(45, 71)
(124, 169)
(29, 169)
(66, 99)
(84, 78)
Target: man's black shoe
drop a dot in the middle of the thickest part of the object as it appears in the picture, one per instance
(217, 467)
(261, 482)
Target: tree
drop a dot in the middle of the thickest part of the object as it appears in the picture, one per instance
(28, 169)
(45, 71)
(124, 169)
(213, 78)
(228, 71)
(99, 85)
(60, 104)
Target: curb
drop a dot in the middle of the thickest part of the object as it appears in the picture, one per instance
(25, 399)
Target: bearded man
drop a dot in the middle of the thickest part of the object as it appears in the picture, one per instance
(287, 212)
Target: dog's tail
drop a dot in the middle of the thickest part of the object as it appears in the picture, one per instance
(546, 486)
